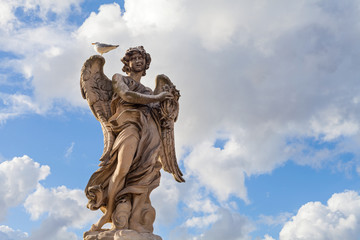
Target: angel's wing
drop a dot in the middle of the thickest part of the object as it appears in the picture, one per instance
(169, 110)
(96, 88)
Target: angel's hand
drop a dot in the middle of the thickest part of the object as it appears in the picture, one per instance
(164, 96)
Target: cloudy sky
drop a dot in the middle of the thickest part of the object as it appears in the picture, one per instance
(268, 134)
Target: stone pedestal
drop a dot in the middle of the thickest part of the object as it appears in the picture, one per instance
(125, 234)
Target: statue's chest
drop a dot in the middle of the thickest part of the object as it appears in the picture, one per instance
(138, 87)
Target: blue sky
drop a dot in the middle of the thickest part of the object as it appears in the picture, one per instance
(268, 133)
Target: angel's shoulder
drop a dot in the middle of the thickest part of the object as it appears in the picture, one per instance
(118, 77)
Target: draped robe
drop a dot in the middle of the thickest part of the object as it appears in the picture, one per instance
(133, 206)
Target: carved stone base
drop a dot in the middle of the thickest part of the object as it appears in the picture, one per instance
(125, 234)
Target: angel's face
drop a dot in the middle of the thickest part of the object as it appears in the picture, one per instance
(137, 62)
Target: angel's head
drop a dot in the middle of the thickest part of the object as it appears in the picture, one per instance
(133, 54)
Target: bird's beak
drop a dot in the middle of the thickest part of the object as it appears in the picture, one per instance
(93, 43)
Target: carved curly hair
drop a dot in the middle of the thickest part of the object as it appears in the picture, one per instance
(130, 52)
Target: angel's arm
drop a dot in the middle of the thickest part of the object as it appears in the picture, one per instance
(133, 97)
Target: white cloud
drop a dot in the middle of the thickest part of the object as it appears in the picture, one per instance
(228, 225)
(257, 74)
(19, 177)
(339, 219)
(231, 226)
(196, 206)
(17, 104)
(275, 220)
(151, 17)
(36, 8)
(59, 202)
(65, 208)
(41, 50)
(58, 7)
(7, 233)
(165, 199)
(205, 162)
(198, 202)
(201, 222)
(268, 237)
(230, 164)
(69, 150)
(332, 124)
(53, 229)
(6, 15)
(107, 26)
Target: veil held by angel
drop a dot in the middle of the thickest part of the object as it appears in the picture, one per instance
(138, 128)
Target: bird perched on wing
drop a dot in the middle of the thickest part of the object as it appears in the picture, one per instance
(103, 48)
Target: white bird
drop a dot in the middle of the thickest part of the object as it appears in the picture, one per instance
(103, 48)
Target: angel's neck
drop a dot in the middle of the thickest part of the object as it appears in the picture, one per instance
(136, 76)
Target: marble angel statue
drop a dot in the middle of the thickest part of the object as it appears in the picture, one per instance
(138, 128)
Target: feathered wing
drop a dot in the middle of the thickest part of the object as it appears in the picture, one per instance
(96, 88)
(168, 110)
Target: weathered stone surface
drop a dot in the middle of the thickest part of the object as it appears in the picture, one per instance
(138, 128)
(125, 234)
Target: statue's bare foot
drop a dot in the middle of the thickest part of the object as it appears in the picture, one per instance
(94, 228)
(103, 220)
